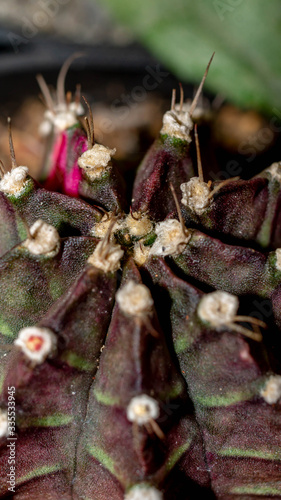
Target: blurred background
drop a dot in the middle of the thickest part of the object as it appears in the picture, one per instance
(134, 54)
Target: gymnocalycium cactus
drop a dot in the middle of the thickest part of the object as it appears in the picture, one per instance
(134, 364)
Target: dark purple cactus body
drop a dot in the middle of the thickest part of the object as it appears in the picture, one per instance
(235, 269)
(11, 225)
(68, 215)
(246, 210)
(31, 283)
(237, 209)
(108, 191)
(136, 362)
(167, 161)
(140, 353)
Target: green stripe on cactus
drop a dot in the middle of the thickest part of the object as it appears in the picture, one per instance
(227, 399)
(257, 489)
(264, 234)
(41, 471)
(2, 378)
(177, 454)
(21, 229)
(266, 228)
(182, 344)
(102, 457)
(55, 288)
(174, 391)
(105, 398)
(47, 421)
(175, 141)
(5, 329)
(75, 361)
(240, 453)
(149, 239)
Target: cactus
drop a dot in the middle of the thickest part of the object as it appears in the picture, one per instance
(135, 361)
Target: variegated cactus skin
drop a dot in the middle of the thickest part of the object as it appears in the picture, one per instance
(140, 366)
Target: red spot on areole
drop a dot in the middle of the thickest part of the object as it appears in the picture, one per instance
(34, 343)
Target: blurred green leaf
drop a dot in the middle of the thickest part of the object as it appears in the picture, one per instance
(245, 34)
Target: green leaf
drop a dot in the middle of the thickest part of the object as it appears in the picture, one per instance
(245, 34)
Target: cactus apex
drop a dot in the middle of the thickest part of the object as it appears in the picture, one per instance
(171, 238)
(106, 256)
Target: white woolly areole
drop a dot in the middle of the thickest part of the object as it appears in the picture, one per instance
(278, 258)
(45, 238)
(96, 160)
(106, 256)
(134, 299)
(218, 308)
(3, 423)
(36, 343)
(171, 239)
(275, 171)
(13, 182)
(138, 224)
(63, 117)
(177, 124)
(141, 253)
(195, 195)
(142, 409)
(271, 392)
(99, 230)
(143, 492)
